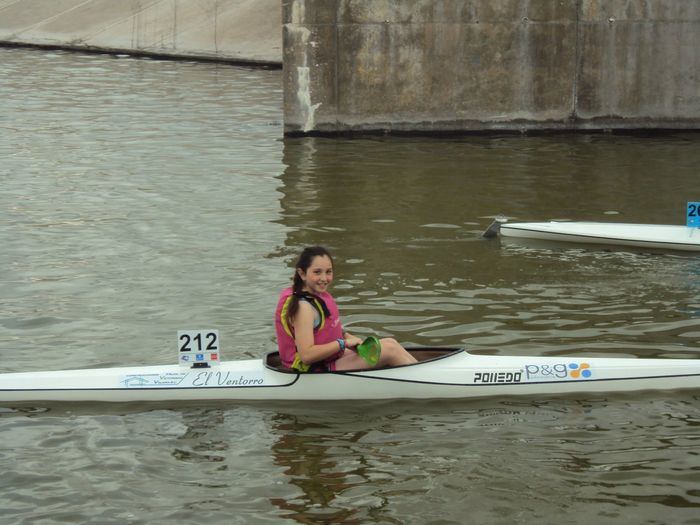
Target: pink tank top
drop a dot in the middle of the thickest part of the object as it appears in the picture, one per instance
(329, 330)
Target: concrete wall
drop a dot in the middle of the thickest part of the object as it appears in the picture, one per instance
(227, 30)
(456, 65)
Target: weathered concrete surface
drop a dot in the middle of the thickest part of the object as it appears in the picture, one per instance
(232, 30)
(460, 65)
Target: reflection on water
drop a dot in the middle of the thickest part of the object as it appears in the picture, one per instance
(378, 463)
(307, 456)
(141, 197)
(527, 460)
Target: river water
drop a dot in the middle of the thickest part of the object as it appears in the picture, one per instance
(140, 197)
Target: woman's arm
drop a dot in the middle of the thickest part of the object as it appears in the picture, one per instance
(304, 337)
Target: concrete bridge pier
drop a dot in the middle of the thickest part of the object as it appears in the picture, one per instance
(490, 65)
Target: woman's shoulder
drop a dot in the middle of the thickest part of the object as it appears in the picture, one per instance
(306, 309)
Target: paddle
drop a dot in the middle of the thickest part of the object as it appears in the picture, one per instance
(494, 227)
(370, 349)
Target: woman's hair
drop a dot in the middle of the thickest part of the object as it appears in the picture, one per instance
(305, 259)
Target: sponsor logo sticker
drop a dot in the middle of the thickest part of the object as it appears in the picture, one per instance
(558, 371)
(164, 380)
(491, 378)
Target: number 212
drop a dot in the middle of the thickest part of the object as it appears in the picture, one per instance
(211, 337)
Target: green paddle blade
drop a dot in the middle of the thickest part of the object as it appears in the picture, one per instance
(370, 349)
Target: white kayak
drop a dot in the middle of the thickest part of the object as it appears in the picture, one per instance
(445, 373)
(659, 236)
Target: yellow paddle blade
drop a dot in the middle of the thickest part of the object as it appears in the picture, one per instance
(370, 349)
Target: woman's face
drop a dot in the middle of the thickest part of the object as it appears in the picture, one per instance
(319, 275)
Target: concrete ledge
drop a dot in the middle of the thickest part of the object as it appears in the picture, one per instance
(246, 31)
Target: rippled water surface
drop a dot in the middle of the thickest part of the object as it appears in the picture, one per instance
(140, 197)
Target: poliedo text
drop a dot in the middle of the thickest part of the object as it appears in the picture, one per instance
(497, 377)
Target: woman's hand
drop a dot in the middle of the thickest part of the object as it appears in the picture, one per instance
(351, 341)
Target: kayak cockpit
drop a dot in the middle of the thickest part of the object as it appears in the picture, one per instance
(422, 355)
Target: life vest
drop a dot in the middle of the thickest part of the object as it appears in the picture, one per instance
(329, 329)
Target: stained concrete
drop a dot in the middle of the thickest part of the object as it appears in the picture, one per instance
(465, 65)
(227, 30)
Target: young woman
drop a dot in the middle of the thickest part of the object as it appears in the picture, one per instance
(310, 335)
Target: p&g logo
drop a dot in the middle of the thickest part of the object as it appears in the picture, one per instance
(558, 371)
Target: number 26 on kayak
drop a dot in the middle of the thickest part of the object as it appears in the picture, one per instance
(693, 215)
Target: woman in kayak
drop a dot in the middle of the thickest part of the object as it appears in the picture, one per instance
(310, 335)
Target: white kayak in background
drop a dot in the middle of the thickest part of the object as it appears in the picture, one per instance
(441, 373)
(658, 236)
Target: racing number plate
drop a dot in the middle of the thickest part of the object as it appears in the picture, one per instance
(198, 348)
